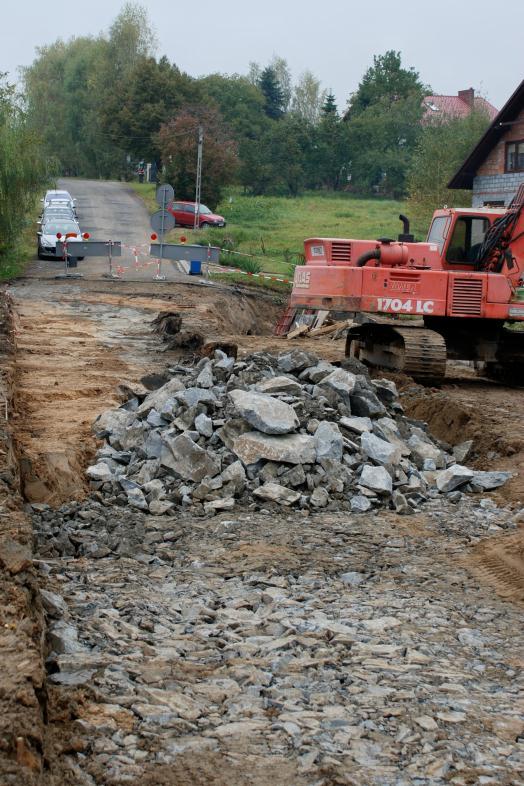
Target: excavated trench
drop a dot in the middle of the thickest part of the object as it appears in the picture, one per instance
(65, 350)
(68, 347)
(76, 344)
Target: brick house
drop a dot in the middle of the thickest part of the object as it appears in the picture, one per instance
(495, 168)
(441, 108)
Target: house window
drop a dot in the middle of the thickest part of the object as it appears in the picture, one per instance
(515, 156)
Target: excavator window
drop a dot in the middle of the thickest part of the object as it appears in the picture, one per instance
(437, 232)
(466, 240)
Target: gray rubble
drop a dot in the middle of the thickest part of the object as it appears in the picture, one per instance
(297, 430)
(350, 650)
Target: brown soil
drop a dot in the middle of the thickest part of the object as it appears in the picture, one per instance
(21, 618)
(467, 408)
(74, 345)
(500, 562)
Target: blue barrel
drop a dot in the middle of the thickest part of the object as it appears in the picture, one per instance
(195, 267)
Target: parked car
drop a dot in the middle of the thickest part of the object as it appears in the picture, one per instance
(47, 236)
(184, 213)
(61, 193)
(57, 198)
(57, 213)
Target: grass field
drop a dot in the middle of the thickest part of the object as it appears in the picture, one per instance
(273, 229)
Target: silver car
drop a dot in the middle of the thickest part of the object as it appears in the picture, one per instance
(47, 236)
(58, 198)
(63, 207)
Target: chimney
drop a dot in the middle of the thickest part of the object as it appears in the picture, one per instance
(468, 96)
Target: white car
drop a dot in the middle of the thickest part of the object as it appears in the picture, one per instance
(57, 198)
(56, 212)
(47, 236)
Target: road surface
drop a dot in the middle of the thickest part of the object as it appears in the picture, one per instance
(110, 210)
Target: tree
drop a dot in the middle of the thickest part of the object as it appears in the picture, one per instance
(441, 149)
(239, 100)
(131, 38)
(64, 88)
(177, 142)
(308, 98)
(272, 92)
(384, 124)
(278, 161)
(283, 74)
(150, 95)
(24, 167)
(386, 81)
(254, 72)
(329, 107)
(332, 151)
(87, 96)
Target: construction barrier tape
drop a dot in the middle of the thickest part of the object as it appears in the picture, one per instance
(269, 276)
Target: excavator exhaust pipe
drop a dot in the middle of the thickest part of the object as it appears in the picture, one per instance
(405, 236)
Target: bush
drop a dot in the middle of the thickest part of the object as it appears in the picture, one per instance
(23, 169)
(248, 265)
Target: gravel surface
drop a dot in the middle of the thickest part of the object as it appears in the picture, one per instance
(352, 649)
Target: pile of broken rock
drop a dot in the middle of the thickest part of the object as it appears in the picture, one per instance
(290, 429)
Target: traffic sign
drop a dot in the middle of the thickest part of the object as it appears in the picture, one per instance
(164, 195)
(162, 221)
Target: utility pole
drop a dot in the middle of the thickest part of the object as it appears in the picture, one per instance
(198, 189)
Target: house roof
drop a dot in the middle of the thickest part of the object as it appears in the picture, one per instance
(463, 178)
(455, 106)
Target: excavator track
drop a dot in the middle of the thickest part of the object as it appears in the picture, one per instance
(416, 351)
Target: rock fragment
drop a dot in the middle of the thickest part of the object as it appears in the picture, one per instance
(453, 477)
(288, 448)
(277, 493)
(265, 413)
(377, 479)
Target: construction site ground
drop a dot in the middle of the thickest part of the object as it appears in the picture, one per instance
(427, 694)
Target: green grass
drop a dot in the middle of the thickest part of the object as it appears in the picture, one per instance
(248, 281)
(273, 229)
(15, 258)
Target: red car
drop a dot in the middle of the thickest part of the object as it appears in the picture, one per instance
(184, 213)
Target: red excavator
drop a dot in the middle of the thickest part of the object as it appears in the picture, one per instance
(460, 294)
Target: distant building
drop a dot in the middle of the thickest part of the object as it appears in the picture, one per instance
(451, 107)
(495, 168)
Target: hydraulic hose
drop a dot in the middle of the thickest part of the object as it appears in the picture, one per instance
(363, 258)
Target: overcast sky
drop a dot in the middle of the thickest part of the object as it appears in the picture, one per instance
(454, 44)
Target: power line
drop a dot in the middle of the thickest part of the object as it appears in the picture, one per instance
(115, 136)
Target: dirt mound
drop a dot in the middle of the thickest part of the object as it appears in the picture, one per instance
(500, 562)
(476, 410)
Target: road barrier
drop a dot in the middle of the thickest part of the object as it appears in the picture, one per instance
(188, 257)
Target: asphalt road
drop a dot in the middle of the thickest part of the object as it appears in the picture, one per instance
(110, 210)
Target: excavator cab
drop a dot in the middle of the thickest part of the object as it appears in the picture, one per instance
(459, 235)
